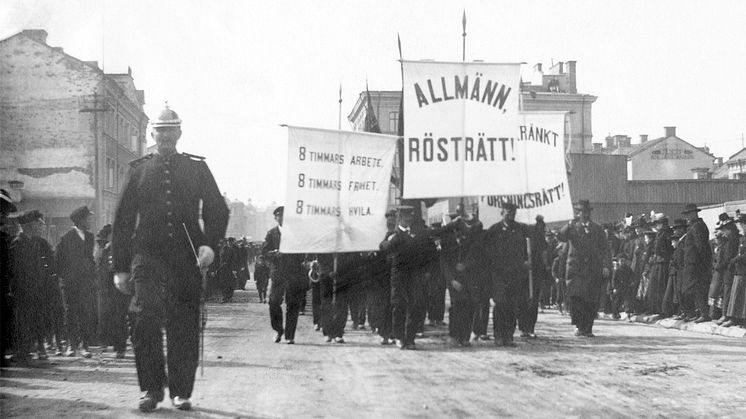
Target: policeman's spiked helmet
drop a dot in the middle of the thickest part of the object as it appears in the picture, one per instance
(167, 118)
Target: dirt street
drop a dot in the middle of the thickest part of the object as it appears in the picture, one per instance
(628, 370)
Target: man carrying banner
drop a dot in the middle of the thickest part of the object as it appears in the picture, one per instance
(289, 282)
(155, 238)
(505, 243)
(588, 262)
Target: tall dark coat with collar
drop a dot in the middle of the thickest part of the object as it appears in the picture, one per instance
(75, 264)
(587, 255)
(697, 269)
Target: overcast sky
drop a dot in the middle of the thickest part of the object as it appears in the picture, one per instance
(235, 70)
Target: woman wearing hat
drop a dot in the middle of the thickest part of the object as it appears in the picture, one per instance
(736, 309)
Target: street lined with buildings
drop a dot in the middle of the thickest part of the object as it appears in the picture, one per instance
(628, 370)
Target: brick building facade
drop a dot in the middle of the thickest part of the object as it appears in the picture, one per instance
(67, 130)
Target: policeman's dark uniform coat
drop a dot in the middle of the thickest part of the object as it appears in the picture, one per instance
(506, 245)
(587, 255)
(77, 275)
(162, 195)
(289, 281)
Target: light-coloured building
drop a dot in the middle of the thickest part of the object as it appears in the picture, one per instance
(67, 130)
(666, 158)
(734, 167)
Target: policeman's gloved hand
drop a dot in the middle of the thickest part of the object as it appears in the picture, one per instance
(122, 282)
(205, 255)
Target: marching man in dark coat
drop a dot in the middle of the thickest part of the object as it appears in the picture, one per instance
(31, 272)
(588, 262)
(77, 272)
(407, 280)
(697, 266)
(156, 236)
(506, 245)
(289, 281)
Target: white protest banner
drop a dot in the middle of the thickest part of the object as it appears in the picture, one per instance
(540, 177)
(337, 191)
(459, 118)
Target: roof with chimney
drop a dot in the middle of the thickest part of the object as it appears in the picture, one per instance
(635, 149)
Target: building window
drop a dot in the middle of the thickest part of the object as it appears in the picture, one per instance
(120, 178)
(393, 121)
(109, 173)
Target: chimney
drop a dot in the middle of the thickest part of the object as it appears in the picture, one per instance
(625, 141)
(643, 138)
(573, 88)
(670, 131)
(609, 142)
(38, 35)
(537, 67)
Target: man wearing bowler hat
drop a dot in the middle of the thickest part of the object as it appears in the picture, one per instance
(77, 274)
(289, 282)
(697, 266)
(588, 263)
(158, 250)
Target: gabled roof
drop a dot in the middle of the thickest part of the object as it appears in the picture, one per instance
(738, 156)
(652, 143)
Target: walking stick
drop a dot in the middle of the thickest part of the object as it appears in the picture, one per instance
(530, 271)
(202, 306)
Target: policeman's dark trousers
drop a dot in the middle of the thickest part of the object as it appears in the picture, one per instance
(316, 302)
(326, 292)
(436, 301)
(408, 305)
(77, 302)
(583, 313)
(293, 299)
(460, 314)
(165, 297)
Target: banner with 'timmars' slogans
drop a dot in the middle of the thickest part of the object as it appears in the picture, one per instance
(541, 174)
(337, 190)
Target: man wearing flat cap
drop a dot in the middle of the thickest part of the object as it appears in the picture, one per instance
(697, 267)
(505, 243)
(158, 250)
(77, 274)
(31, 273)
(588, 263)
(289, 282)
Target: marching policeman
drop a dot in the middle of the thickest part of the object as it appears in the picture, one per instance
(156, 234)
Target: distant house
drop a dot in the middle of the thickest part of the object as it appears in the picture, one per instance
(734, 167)
(665, 158)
